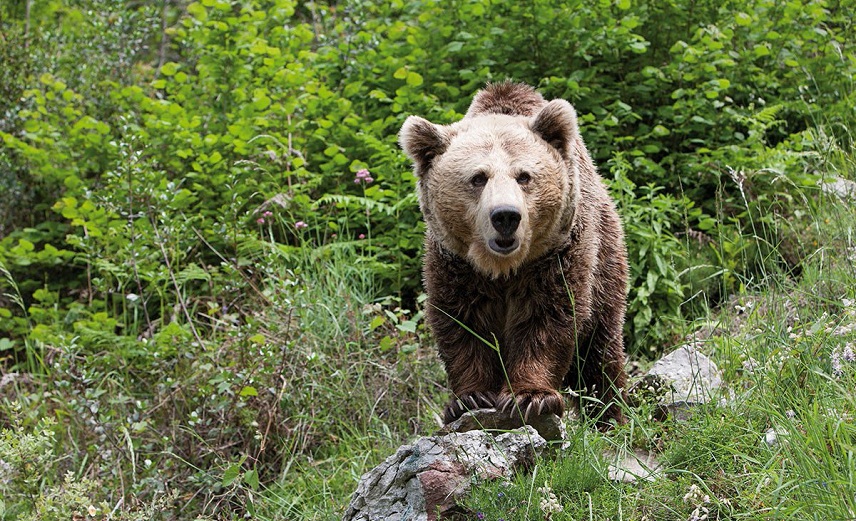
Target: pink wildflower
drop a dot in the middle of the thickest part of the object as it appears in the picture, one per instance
(267, 214)
(363, 176)
(260, 220)
(300, 224)
(361, 236)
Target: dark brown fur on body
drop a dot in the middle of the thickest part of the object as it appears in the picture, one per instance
(555, 304)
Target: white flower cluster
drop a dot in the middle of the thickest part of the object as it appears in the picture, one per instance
(549, 502)
(697, 498)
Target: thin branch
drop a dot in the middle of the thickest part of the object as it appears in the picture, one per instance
(164, 43)
(29, 5)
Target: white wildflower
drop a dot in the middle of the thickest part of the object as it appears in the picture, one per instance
(698, 499)
(750, 365)
(699, 514)
(837, 369)
(696, 496)
(549, 502)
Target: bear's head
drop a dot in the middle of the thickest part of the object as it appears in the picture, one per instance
(499, 187)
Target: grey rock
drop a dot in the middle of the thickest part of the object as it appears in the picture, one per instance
(627, 467)
(549, 426)
(425, 479)
(841, 187)
(693, 377)
(772, 436)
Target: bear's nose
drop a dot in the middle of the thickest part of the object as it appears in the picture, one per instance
(505, 220)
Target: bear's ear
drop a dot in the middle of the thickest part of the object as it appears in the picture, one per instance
(556, 123)
(422, 141)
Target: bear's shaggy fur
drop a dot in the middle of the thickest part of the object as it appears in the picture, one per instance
(524, 251)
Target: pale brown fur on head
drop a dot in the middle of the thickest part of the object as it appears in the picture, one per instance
(502, 148)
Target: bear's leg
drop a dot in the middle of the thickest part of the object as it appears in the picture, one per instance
(475, 376)
(535, 365)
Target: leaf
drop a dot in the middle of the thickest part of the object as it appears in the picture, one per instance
(762, 50)
(639, 47)
(660, 131)
(661, 266)
(408, 326)
(169, 68)
(376, 322)
(251, 478)
(192, 272)
(198, 11)
(260, 100)
(248, 390)
(414, 79)
(233, 472)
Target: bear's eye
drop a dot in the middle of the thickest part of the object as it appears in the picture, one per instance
(479, 180)
(523, 178)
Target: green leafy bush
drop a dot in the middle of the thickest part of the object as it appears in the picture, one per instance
(181, 176)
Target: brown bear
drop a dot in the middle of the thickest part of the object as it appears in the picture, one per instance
(525, 264)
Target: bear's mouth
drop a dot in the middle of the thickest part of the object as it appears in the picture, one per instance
(503, 245)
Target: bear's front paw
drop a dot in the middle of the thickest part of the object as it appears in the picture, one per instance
(531, 403)
(468, 402)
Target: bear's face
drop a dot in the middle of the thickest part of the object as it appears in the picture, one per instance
(495, 189)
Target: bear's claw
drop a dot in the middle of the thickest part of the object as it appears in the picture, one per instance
(531, 404)
(468, 402)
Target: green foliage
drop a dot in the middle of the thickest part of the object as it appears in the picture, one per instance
(32, 489)
(656, 292)
(210, 241)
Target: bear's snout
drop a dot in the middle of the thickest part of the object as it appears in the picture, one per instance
(505, 220)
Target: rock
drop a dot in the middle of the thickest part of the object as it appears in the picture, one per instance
(424, 480)
(628, 467)
(772, 436)
(693, 377)
(841, 187)
(549, 426)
